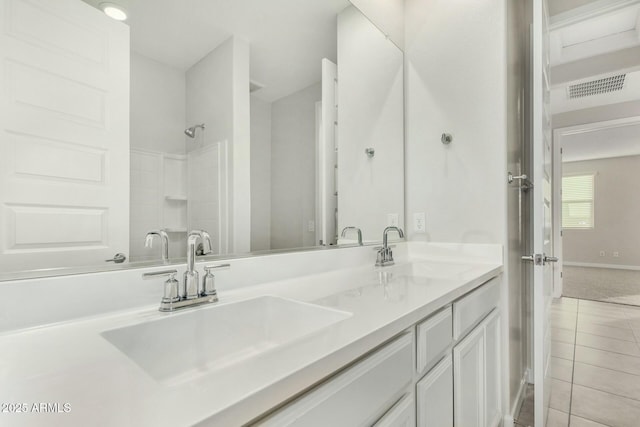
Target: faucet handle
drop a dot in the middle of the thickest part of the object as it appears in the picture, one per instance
(170, 285)
(214, 266)
(209, 281)
(152, 274)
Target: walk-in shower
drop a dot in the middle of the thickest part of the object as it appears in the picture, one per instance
(191, 132)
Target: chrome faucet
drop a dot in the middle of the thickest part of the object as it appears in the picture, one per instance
(191, 287)
(191, 292)
(385, 254)
(346, 229)
(164, 239)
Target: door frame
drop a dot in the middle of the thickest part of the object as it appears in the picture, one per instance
(558, 135)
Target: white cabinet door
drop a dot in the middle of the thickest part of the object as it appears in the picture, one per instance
(403, 414)
(64, 135)
(477, 375)
(468, 374)
(435, 396)
(492, 405)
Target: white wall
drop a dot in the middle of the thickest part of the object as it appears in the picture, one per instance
(293, 163)
(158, 106)
(387, 15)
(210, 96)
(370, 114)
(260, 174)
(158, 111)
(241, 148)
(204, 197)
(218, 95)
(456, 81)
(617, 209)
(145, 207)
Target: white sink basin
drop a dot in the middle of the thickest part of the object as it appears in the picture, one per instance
(204, 340)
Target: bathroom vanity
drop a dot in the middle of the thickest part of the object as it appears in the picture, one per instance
(416, 343)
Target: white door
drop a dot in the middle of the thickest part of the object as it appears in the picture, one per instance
(542, 213)
(64, 135)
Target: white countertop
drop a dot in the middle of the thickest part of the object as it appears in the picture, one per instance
(71, 363)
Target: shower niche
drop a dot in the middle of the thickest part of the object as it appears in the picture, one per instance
(159, 200)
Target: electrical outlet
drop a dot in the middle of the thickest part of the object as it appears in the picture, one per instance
(616, 254)
(419, 222)
(602, 253)
(393, 220)
(311, 225)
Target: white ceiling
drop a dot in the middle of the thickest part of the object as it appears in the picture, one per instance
(603, 143)
(559, 6)
(589, 31)
(288, 38)
(614, 30)
(578, 38)
(561, 103)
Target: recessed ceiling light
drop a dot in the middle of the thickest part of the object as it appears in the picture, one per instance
(114, 11)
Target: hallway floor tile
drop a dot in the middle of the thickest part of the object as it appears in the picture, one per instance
(595, 365)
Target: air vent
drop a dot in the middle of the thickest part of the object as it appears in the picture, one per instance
(597, 87)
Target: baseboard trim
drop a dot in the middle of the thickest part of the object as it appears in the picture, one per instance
(614, 266)
(509, 420)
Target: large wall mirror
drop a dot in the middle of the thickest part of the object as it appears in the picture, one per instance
(272, 125)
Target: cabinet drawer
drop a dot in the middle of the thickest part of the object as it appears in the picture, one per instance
(357, 396)
(434, 336)
(472, 308)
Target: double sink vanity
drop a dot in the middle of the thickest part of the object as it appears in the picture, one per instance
(275, 126)
(414, 343)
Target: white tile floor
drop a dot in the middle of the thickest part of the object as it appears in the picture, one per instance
(595, 364)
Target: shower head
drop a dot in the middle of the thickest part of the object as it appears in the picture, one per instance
(191, 132)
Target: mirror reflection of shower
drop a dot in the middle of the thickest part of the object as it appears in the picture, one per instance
(191, 132)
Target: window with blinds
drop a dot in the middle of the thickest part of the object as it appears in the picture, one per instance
(577, 201)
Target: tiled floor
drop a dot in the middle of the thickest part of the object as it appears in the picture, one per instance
(595, 364)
